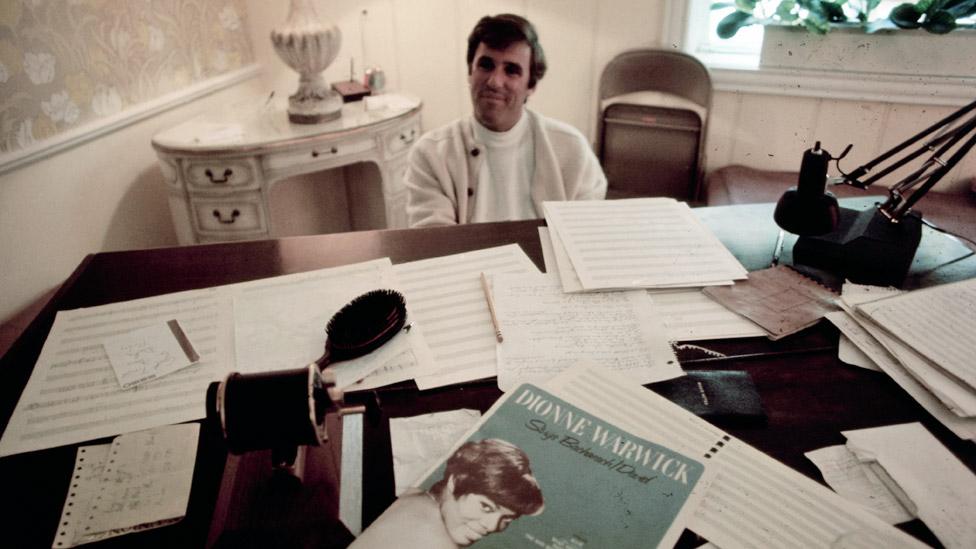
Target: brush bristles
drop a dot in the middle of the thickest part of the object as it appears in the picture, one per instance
(365, 324)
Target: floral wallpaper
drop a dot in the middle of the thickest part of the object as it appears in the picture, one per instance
(66, 63)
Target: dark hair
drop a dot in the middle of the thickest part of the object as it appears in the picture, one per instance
(501, 31)
(496, 469)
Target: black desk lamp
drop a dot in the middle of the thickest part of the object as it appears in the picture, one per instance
(874, 246)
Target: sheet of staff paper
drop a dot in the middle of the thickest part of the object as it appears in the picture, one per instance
(141, 480)
(280, 324)
(964, 428)
(420, 442)
(445, 297)
(73, 395)
(940, 486)
(639, 243)
(754, 500)
(937, 322)
(547, 331)
(688, 314)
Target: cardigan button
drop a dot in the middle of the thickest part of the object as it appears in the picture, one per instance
(470, 191)
(475, 152)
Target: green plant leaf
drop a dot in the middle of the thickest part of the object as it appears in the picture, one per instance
(834, 11)
(939, 22)
(905, 16)
(731, 23)
(961, 8)
(747, 6)
(721, 5)
(785, 11)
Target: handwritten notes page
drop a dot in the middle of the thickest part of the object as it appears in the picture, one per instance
(547, 331)
(639, 243)
(141, 480)
(446, 299)
(73, 395)
(940, 486)
(280, 324)
(754, 501)
(937, 322)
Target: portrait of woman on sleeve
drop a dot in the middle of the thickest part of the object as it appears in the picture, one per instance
(486, 485)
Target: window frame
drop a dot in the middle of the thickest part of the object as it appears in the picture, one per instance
(681, 31)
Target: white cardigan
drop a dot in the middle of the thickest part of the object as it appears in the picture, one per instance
(442, 175)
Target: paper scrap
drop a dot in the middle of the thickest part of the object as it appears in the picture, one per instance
(149, 353)
(779, 299)
(859, 483)
(419, 442)
(940, 486)
(140, 481)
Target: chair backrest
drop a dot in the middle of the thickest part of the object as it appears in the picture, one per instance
(652, 70)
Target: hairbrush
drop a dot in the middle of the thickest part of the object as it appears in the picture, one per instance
(363, 325)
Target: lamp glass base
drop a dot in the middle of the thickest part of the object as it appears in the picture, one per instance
(866, 247)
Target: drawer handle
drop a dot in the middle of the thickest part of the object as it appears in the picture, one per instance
(408, 138)
(333, 150)
(227, 173)
(233, 216)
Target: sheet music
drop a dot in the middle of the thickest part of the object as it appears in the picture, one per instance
(688, 314)
(280, 324)
(546, 331)
(73, 395)
(446, 298)
(639, 243)
(964, 428)
(754, 501)
(937, 322)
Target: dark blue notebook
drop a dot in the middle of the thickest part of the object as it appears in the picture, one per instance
(720, 395)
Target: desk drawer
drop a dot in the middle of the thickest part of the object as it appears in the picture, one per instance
(400, 140)
(322, 153)
(229, 216)
(170, 170)
(238, 173)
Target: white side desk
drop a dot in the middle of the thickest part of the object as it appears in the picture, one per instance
(220, 167)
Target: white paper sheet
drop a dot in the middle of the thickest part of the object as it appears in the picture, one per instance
(639, 243)
(419, 442)
(73, 395)
(963, 427)
(754, 501)
(445, 297)
(942, 488)
(149, 353)
(141, 480)
(937, 322)
(857, 482)
(849, 353)
(547, 330)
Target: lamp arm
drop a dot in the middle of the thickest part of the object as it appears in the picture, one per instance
(853, 177)
(896, 211)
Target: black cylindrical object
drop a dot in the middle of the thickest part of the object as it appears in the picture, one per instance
(270, 409)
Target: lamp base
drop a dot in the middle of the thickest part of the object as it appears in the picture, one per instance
(866, 247)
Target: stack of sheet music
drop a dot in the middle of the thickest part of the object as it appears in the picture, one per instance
(636, 243)
(923, 340)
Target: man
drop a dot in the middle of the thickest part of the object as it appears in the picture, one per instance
(505, 160)
(485, 486)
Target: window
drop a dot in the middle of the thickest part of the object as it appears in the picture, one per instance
(735, 62)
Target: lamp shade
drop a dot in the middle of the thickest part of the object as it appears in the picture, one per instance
(807, 215)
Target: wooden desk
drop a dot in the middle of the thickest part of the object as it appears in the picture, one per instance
(809, 396)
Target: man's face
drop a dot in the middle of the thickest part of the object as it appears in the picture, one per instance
(499, 82)
(472, 517)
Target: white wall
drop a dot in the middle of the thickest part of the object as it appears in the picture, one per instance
(108, 193)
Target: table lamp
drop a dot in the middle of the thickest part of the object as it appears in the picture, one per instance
(877, 245)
